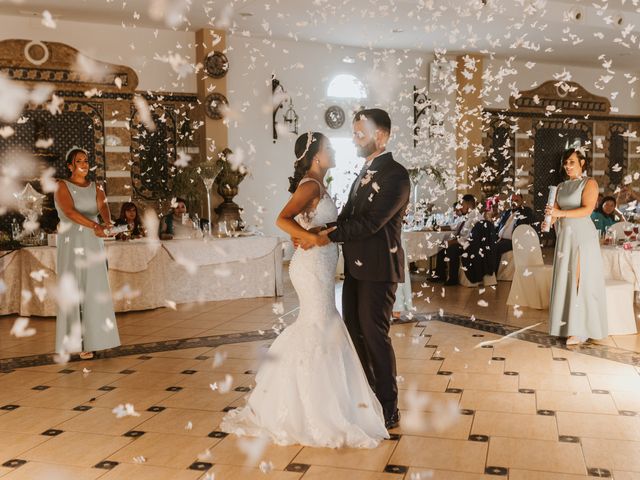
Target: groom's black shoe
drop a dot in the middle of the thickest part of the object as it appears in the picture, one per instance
(393, 421)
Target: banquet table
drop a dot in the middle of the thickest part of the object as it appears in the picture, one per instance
(621, 264)
(145, 275)
(423, 245)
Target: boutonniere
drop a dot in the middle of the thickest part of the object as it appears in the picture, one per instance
(368, 177)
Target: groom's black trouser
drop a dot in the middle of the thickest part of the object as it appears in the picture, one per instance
(366, 309)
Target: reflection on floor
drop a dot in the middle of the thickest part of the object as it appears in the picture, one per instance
(480, 407)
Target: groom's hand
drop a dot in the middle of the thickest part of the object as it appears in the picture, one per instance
(326, 231)
(323, 236)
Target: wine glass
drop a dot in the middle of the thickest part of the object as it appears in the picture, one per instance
(635, 231)
(628, 230)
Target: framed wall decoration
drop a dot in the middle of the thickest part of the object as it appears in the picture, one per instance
(216, 64)
(334, 116)
(215, 104)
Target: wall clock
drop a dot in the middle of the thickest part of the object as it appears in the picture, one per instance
(215, 104)
(216, 64)
(334, 116)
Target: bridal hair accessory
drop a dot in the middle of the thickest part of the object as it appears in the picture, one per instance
(72, 149)
(306, 148)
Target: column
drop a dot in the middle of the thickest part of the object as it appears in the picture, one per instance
(469, 125)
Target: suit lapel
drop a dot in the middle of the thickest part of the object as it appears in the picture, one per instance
(377, 165)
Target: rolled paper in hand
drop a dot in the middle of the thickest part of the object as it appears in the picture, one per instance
(551, 200)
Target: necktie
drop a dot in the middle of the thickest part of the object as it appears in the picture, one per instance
(356, 185)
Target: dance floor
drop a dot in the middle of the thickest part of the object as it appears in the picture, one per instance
(481, 405)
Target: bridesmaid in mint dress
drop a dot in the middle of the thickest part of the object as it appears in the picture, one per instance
(89, 324)
(578, 307)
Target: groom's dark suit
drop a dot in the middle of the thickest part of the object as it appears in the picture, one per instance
(369, 227)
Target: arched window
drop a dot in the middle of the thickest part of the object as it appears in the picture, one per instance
(346, 86)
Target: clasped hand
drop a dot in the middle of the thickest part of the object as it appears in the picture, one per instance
(318, 238)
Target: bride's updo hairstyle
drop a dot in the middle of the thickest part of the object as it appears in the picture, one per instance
(307, 146)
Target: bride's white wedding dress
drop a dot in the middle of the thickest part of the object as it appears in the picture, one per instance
(312, 390)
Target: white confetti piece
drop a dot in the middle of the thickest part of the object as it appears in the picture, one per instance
(219, 358)
(253, 448)
(20, 330)
(266, 467)
(278, 308)
(125, 410)
(145, 113)
(6, 131)
(204, 456)
(47, 20)
(171, 304)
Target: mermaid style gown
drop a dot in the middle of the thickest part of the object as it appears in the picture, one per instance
(313, 390)
(577, 308)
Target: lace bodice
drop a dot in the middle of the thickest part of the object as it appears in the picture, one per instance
(325, 212)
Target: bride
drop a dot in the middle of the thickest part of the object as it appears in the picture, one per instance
(313, 390)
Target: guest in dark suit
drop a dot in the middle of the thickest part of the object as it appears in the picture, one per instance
(369, 228)
(450, 256)
(510, 219)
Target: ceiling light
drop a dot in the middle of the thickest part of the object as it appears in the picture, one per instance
(349, 59)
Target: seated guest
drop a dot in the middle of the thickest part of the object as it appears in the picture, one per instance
(492, 208)
(176, 224)
(628, 203)
(456, 246)
(517, 215)
(479, 259)
(129, 216)
(606, 214)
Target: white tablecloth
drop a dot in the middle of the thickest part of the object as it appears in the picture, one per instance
(423, 245)
(621, 264)
(144, 276)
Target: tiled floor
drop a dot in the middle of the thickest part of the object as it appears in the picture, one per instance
(515, 409)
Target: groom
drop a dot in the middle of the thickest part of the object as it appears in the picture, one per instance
(369, 228)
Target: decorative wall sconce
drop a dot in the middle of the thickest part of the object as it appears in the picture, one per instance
(423, 105)
(280, 98)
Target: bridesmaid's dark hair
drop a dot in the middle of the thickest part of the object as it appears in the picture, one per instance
(306, 147)
(582, 159)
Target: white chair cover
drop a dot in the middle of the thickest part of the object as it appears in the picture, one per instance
(531, 286)
(620, 315)
(508, 269)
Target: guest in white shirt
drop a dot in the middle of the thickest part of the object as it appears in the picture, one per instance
(517, 215)
(455, 247)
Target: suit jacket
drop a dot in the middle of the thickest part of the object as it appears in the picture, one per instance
(370, 226)
(479, 258)
(524, 217)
